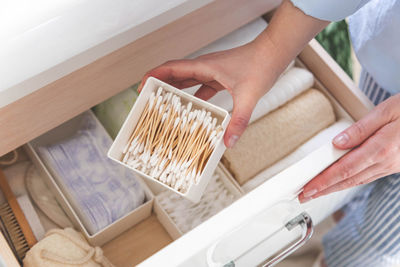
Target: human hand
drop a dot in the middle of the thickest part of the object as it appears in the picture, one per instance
(376, 153)
(246, 72)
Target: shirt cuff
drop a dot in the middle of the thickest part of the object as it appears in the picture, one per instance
(331, 10)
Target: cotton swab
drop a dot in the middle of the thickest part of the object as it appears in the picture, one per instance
(172, 141)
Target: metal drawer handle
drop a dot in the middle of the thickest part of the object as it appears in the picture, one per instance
(304, 220)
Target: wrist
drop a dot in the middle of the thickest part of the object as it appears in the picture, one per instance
(274, 60)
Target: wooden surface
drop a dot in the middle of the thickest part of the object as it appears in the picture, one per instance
(138, 243)
(37, 113)
(341, 86)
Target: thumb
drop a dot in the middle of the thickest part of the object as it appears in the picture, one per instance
(360, 131)
(243, 106)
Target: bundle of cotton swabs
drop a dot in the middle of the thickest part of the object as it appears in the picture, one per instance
(172, 142)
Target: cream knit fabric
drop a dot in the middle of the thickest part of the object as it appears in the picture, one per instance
(279, 133)
(65, 248)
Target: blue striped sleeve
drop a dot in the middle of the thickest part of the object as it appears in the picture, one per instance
(331, 10)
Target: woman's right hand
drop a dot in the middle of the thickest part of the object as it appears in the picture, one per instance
(248, 71)
(245, 71)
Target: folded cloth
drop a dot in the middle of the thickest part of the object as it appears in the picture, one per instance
(314, 143)
(186, 214)
(99, 190)
(277, 134)
(289, 85)
(65, 248)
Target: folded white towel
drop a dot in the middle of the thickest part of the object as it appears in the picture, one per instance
(314, 143)
(186, 214)
(288, 86)
(99, 190)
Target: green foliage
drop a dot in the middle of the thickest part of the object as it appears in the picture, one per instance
(336, 41)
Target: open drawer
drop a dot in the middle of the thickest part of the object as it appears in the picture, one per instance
(260, 227)
(262, 224)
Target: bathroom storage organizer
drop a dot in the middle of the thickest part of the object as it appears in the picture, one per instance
(269, 212)
(112, 230)
(152, 85)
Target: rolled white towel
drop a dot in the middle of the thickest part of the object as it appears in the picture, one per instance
(288, 86)
(317, 141)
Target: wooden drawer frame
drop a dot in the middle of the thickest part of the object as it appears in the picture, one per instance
(48, 107)
(29, 117)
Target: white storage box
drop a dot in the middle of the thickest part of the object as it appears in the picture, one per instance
(112, 230)
(195, 191)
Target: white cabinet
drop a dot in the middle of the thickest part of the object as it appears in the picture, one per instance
(254, 228)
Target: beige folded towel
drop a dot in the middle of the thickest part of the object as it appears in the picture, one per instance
(277, 134)
(323, 137)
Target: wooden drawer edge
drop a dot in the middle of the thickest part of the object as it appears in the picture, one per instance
(48, 107)
(333, 77)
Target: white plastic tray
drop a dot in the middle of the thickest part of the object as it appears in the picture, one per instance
(152, 84)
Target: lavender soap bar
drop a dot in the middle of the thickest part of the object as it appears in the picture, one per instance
(99, 190)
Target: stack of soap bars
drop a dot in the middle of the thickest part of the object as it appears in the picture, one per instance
(172, 141)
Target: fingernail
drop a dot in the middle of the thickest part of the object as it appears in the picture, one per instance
(232, 140)
(310, 193)
(341, 139)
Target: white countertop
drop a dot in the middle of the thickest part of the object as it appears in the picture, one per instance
(44, 40)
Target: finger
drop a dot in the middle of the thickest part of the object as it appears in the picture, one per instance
(243, 105)
(179, 70)
(205, 92)
(366, 176)
(363, 177)
(362, 129)
(349, 165)
(142, 82)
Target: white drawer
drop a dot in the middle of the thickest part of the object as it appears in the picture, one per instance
(253, 228)
(272, 204)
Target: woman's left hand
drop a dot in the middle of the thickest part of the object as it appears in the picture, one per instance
(376, 142)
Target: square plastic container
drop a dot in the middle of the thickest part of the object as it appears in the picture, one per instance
(152, 84)
(112, 230)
